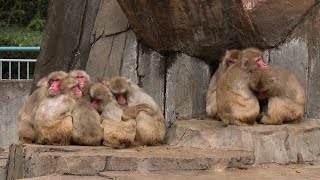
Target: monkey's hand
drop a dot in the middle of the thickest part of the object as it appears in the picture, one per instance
(125, 118)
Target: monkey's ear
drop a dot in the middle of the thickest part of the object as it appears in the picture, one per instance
(129, 81)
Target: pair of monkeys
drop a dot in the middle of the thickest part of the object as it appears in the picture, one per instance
(69, 108)
(245, 89)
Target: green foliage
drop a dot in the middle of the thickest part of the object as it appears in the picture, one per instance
(15, 36)
(23, 13)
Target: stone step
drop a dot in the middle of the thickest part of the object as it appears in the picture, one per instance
(282, 144)
(296, 171)
(37, 160)
(4, 153)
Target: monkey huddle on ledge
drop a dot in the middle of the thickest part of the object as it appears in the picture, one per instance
(245, 89)
(68, 108)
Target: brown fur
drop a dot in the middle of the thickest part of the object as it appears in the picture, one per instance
(150, 126)
(53, 120)
(286, 96)
(87, 128)
(211, 99)
(75, 73)
(26, 115)
(236, 102)
(117, 133)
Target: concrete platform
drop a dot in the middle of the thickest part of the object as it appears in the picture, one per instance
(26, 161)
(282, 144)
(292, 172)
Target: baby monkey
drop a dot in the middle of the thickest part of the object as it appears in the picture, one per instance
(87, 128)
(142, 108)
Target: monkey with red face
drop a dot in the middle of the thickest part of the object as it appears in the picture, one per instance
(81, 76)
(236, 102)
(53, 119)
(46, 87)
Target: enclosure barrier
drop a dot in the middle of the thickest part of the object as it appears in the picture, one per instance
(19, 61)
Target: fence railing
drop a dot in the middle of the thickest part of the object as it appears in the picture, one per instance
(7, 64)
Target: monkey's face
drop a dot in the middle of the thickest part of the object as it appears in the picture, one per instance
(119, 87)
(54, 85)
(76, 90)
(99, 93)
(81, 80)
(81, 76)
(254, 63)
(231, 57)
(70, 84)
(54, 81)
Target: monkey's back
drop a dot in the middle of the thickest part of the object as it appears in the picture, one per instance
(86, 123)
(284, 83)
(235, 100)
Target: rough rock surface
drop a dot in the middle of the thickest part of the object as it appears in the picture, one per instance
(173, 81)
(12, 96)
(283, 144)
(4, 153)
(300, 53)
(186, 87)
(36, 160)
(203, 28)
(66, 41)
(262, 172)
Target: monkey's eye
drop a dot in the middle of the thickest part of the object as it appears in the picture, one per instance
(259, 59)
(79, 76)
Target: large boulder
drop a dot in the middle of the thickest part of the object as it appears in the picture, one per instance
(203, 28)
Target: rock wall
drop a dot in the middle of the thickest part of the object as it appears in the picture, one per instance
(170, 47)
(12, 96)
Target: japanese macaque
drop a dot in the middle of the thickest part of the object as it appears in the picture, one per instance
(237, 104)
(284, 94)
(81, 76)
(26, 115)
(117, 133)
(53, 118)
(87, 128)
(230, 58)
(150, 121)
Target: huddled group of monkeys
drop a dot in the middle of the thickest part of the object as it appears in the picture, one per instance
(245, 90)
(69, 108)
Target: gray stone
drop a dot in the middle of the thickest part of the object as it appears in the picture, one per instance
(66, 41)
(28, 161)
(116, 55)
(130, 57)
(300, 53)
(186, 87)
(12, 96)
(294, 56)
(98, 58)
(294, 171)
(4, 153)
(282, 144)
(151, 73)
(110, 20)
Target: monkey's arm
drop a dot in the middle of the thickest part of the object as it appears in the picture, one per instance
(132, 112)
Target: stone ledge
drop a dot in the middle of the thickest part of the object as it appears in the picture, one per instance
(4, 152)
(297, 171)
(282, 144)
(27, 161)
